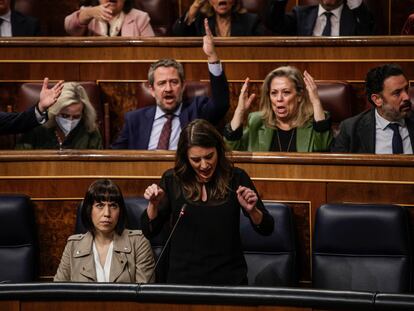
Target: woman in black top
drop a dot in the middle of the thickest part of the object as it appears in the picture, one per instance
(205, 247)
(226, 18)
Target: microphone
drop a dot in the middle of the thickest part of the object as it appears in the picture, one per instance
(182, 212)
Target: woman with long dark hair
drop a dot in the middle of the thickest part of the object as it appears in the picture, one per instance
(205, 247)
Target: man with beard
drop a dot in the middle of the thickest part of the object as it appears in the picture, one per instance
(159, 126)
(329, 18)
(389, 126)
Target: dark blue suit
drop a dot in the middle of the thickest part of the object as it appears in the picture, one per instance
(138, 123)
(24, 26)
(12, 123)
(302, 19)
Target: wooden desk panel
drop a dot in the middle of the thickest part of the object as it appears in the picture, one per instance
(347, 58)
(57, 181)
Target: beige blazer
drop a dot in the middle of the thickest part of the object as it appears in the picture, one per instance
(132, 259)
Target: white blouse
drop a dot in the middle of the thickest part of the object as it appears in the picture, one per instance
(102, 273)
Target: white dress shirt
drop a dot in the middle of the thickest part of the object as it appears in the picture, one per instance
(383, 136)
(5, 27)
(321, 21)
(335, 18)
(159, 119)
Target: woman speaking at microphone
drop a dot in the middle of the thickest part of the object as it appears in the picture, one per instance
(205, 247)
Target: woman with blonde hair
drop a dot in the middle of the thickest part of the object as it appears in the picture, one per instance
(71, 124)
(291, 117)
(225, 17)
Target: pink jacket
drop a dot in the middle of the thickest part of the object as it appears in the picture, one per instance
(136, 23)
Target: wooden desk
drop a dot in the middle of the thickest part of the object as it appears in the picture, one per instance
(57, 181)
(119, 64)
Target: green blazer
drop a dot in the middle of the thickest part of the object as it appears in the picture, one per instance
(45, 138)
(258, 137)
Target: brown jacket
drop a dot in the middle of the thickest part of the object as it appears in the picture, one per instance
(132, 259)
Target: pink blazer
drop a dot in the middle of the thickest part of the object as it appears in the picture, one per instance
(136, 24)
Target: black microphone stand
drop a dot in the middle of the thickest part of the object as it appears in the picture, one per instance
(169, 238)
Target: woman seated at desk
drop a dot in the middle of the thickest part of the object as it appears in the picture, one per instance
(291, 117)
(71, 125)
(205, 246)
(225, 17)
(108, 252)
(110, 18)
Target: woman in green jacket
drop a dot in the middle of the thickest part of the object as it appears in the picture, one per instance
(291, 117)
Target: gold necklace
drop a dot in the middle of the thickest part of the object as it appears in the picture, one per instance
(290, 140)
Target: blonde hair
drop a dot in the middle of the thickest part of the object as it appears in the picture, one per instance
(305, 109)
(73, 93)
(208, 10)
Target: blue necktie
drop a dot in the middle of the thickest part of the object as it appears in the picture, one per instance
(397, 146)
(327, 31)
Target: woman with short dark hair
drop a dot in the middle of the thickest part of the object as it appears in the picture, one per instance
(205, 247)
(107, 252)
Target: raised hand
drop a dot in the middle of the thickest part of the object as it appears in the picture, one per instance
(102, 12)
(154, 194)
(208, 44)
(193, 10)
(312, 90)
(245, 101)
(49, 96)
(247, 198)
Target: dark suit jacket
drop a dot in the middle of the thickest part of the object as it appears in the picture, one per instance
(12, 123)
(302, 19)
(24, 26)
(138, 123)
(357, 134)
(246, 24)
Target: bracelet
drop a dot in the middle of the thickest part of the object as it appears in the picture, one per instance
(44, 113)
(216, 62)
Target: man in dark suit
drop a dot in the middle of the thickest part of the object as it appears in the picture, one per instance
(329, 18)
(12, 123)
(145, 128)
(389, 126)
(15, 24)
